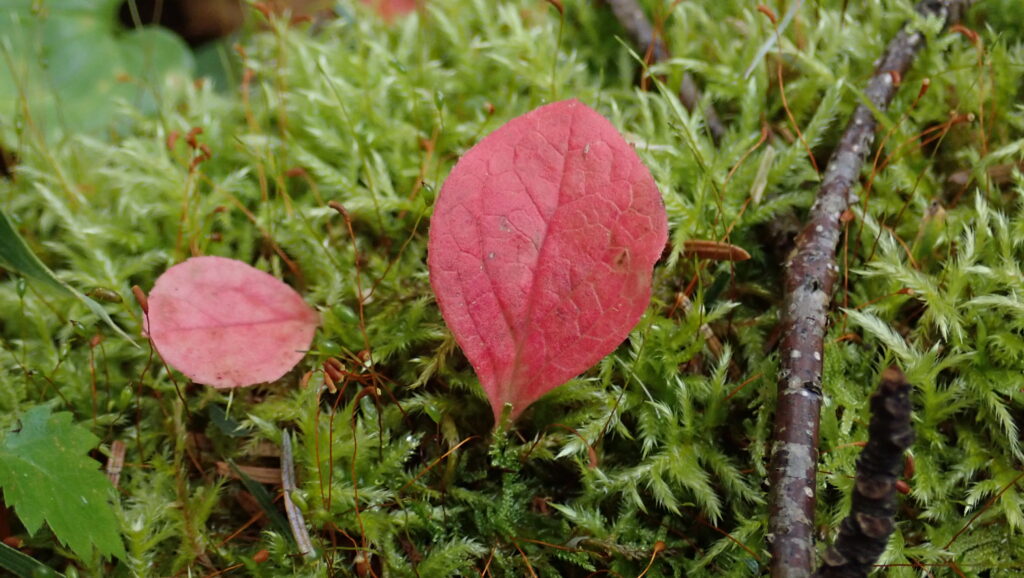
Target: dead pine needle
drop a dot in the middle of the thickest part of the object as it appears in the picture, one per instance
(295, 519)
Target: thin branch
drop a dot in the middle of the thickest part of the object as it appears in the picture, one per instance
(632, 17)
(810, 278)
(864, 534)
(115, 464)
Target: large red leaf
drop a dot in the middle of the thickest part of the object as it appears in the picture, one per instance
(541, 249)
(226, 324)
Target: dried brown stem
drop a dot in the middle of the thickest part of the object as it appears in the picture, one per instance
(809, 280)
(295, 518)
(864, 533)
(632, 17)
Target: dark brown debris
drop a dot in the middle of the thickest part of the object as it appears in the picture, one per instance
(864, 534)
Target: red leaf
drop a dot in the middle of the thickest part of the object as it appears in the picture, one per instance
(226, 324)
(389, 10)
(541, 249)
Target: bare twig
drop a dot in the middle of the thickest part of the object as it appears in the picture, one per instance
(631, 15)
(295, 519)
(864, 533)
(115, 464)
(810, 277)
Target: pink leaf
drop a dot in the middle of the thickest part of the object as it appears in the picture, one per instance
(226, 324)
(542, 245)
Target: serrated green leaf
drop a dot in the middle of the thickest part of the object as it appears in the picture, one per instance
(46, 475)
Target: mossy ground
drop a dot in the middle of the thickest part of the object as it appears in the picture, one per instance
(665, 442)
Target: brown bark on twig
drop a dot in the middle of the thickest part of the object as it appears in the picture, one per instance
(638, 26)
(810, 277)
(864, 533)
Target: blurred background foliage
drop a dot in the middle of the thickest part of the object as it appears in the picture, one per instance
(67, 63)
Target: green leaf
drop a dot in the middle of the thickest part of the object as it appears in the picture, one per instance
(16, 256)
(23, 565)
(46, 475)
(65, 64)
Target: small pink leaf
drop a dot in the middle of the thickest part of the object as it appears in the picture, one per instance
(542, 245)
(226, 324)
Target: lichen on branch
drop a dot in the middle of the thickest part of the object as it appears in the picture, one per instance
(809, 280)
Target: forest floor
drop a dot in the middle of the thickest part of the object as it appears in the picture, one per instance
(142, 153)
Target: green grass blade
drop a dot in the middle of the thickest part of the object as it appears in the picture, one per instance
(23, 565)
(265, 500)
(16, 256)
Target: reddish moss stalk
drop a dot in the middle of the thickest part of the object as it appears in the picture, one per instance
(864, 534)
(810, 278)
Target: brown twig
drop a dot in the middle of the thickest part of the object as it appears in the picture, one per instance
(809, 280)
(864, 533)
(116, 462)
(631, 15)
